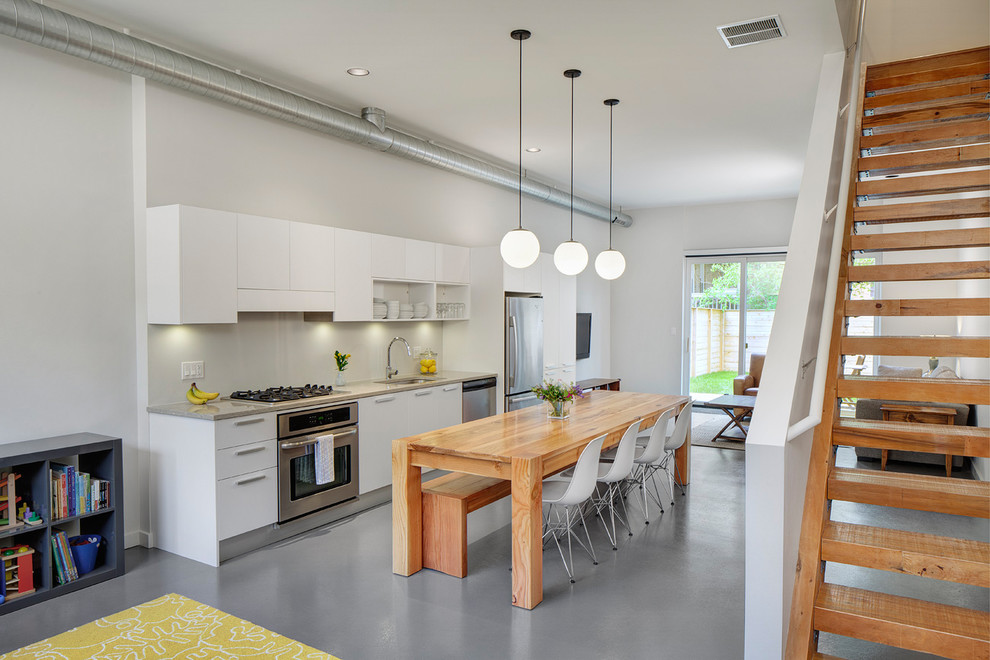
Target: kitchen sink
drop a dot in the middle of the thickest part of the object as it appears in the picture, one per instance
(406, 381)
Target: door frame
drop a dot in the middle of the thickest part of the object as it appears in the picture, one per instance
(743, 256)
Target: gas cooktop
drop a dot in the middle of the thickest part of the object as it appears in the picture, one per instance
(279, 394)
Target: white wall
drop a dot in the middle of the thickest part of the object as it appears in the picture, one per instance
(594, 296)
(67, 254)
(647, 346)
(902, 29)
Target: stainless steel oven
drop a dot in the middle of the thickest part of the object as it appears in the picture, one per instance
(298, 433)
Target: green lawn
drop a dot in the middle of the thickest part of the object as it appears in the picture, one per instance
(717, 382)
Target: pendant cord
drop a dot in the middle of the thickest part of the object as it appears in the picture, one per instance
(572, 160)
(520, 128)
(610, 220)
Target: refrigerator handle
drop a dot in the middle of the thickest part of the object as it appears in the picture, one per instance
(513, 351)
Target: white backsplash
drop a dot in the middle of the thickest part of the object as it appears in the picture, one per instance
(268, 349)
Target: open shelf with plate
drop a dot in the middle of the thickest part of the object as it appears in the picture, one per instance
(91, 456)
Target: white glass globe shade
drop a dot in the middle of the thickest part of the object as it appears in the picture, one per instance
(610, 264)
(520, 248)
(570, 257)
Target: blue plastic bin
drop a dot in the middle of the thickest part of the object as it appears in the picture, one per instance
(84, 550)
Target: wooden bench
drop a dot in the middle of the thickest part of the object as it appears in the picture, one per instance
(446, 502)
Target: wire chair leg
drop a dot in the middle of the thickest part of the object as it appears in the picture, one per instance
(590, 548)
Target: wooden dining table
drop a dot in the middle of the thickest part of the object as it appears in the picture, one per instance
(524, 446)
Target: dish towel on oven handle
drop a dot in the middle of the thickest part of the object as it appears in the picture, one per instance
(324, 459)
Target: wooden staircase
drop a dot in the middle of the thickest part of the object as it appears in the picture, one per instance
(924, 157)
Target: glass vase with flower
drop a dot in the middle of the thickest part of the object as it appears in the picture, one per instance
(341, 359)
(559, 396)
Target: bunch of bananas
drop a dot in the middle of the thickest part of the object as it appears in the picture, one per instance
(199, 397)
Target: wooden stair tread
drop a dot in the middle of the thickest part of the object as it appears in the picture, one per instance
(940, 390)
(937, 76)
(939, 115)
(945, 89)
(918, 625)
(938, 62)
(977, 347)
(907, 436)
(892, 113)
(823, 656)
(911, 553)
(919, 307)
(934, 184)
(951, 270)
(962, 497)
(976, 155)
(977, 207)
(976, 130)
(921, 240)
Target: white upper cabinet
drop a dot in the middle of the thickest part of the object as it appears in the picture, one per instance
(312, 256)
(551, 312)
(453, 264)
(421, 260)
(192, 265)
(388, 257)
(567, 348)
(352, 275)
(262, 253)
(522, 280)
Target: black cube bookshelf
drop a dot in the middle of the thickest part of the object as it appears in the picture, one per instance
(98, 455)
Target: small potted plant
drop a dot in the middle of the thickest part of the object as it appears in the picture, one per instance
(341, 359)
(558, 397)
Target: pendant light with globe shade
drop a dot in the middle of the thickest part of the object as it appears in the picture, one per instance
(610, 264)
(571, 257)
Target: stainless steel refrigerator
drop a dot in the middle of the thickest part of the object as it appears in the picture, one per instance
(523, 350)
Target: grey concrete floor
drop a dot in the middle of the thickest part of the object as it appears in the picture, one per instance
(673, 590)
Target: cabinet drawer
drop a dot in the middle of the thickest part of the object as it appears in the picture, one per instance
(246, 458)
(245, 430)
(246, 502)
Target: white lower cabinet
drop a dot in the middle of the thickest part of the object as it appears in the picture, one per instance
(246, 502)
(210, 481)
(381, 419)
(448, 406)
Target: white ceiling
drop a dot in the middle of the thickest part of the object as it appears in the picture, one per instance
(697, 122)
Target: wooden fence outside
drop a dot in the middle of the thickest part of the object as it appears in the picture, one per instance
(715, 338)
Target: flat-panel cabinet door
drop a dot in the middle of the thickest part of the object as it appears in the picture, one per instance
(311, 252)
(246, 502)
(550, 277)
(352, 275)
(388, 257)
(423, 411)
(382, 419)
(453, 264)
(262, 252)
(421, 260)
(448, 405)
(522, 280)
(568, 321)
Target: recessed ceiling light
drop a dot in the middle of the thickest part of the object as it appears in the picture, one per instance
(534, 150)
(358, 71)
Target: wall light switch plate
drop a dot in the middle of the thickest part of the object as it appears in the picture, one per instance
(191, 370)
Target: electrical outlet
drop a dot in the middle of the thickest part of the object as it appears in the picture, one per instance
(417, 350)
(190, 370)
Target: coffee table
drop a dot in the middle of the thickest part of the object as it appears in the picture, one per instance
(738, 407)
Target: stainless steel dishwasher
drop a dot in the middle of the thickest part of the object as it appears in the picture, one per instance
(477, 399)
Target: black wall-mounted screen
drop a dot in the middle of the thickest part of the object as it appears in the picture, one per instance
(583, 335)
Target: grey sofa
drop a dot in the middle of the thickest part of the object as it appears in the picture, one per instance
(870, 409)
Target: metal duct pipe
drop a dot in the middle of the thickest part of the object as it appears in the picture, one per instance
(51, 28)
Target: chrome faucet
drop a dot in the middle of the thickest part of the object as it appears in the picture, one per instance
(389, 371)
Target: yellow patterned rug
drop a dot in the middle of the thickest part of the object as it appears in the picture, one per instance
(172, 626)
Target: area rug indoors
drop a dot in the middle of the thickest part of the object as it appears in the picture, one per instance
(704, 426)
(172, 626)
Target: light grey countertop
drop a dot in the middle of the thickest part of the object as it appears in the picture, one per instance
(225, 408)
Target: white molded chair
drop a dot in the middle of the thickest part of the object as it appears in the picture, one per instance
(674, 442)
(569, 495)
(647, 462)
(613, 472)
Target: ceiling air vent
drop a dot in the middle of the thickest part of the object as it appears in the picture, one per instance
(752, 31)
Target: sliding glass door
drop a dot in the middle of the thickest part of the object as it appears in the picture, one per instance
(730, 308)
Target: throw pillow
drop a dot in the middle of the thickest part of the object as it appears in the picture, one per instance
(888, 371)
(943, 372)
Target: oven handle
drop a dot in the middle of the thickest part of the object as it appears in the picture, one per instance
(303, 443)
